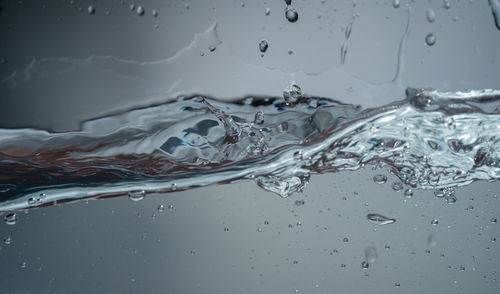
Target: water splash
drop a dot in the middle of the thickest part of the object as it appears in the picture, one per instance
(430, 140)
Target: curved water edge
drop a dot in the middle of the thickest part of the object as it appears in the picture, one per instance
(430, 140)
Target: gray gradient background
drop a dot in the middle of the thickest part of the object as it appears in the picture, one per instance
(116, 246)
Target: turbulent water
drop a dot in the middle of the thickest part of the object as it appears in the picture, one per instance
(429, 140)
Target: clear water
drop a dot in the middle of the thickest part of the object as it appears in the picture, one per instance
(429, 140)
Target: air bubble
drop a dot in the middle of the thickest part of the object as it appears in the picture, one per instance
(10, 218)
(212, 48)
(259, 117)
(299, 202)
(154, 13)
(397, 186)
(447, 4)
(170, 207)
(263, 45)
(7, 240)
(23, 265)
(161, 208)
(434, 222)
(430, 39)
(291, 14)
(91, 9)
(380, 179)
(408, 193)
(268, 11)
(396, 3)
(365, 265)
(345, 240)
(494, 220)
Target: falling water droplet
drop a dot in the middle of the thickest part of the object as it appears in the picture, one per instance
(430, 15)
(379, 219)
(91, 9)
(430, 39)
(371, 255)
(140, 10)
(292, 93)
(136, 195)
(291, 14)
(380, 179)
(396, 3)
(10, 218)
(263, 45)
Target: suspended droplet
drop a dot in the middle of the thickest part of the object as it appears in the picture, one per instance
(430, 39)
(292, 93)
(136, 195)
(379, 219)
(10, 218)
(430, 15)
(408, 193)
(7, 240)
(263, 45)
(397, 186)
(140, 10)
(380, 179)
(431, 240)
(371, 255)
(299, 202)
(91, 9)
(291, 14)
(396, 3)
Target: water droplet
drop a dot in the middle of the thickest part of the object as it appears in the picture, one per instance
(292, 93)
(161, 208)
(263, 45)
(380, 179)
(226, 229)
(430, 39)
(397, 186)
(266, 222)
(408, 193)
(212, 48)
(268, 11)
(343, 265)
(365, 265)
(132, 7)
(434, 222)
(396, 3)
(462, 268)
(345, 240)
(299, 202)
(431, 240)
(259, 229)
(136, 195)
(7, 240)
(23, 265)
(259, 117)
(397, 285)
(91, 9)
(108, 13)
(140, 10)
(170, 207)
(10, 218)
(291, 14)
(494, 220)
(379, 219)
(371, 255)
(154, 13)
(430, 15)
(447, 4)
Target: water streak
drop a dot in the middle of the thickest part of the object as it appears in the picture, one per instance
(429, 140)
